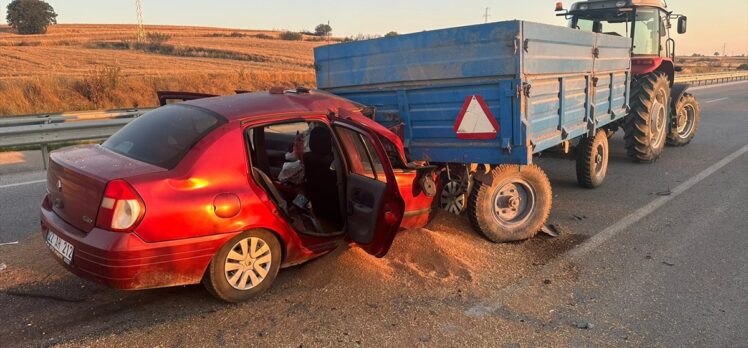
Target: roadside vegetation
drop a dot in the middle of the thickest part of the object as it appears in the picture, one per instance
(30, 16)
(708, 64)
(82, 67)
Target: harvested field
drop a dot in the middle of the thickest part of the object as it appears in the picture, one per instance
(77, 67)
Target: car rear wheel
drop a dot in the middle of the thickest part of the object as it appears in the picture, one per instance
(244, 267)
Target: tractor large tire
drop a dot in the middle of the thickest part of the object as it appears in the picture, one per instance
(592, 160)
(646, 126)
(510, 203)
(686, 111)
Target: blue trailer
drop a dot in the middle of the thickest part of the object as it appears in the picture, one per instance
(483, 100)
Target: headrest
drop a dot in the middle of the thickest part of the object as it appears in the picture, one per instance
(320, 141)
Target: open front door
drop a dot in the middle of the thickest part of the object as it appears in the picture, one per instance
(374, 208)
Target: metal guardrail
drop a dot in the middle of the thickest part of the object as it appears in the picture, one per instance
(45, 129)
(52, 133)
(712, 78)
(23, 120)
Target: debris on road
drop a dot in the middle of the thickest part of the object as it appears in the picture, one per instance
(583, 325)
(580, 218)
(9, 243)
(664, 193)
(551, 230)
(668, 263)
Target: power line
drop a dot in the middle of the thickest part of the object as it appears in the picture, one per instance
(141, 26)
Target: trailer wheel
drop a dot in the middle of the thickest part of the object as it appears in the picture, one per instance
(647, 124)
(686, 111)
(592, 160)
(510, 203)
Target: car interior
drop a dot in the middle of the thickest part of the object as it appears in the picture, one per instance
(298, 165)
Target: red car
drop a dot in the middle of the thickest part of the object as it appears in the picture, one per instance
(228, 190)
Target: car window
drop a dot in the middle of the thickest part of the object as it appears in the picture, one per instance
(393, 154)
(361, 154)
(163, 136)
(273, 147)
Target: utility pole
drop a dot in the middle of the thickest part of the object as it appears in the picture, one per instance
(141, 26)
(724, 49)
(487, 14)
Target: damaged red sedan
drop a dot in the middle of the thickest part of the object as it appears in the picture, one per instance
(228, 190)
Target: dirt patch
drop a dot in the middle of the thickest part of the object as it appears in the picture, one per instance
(417, 295)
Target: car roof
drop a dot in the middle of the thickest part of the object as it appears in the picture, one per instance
(246, 106)
(259, 104)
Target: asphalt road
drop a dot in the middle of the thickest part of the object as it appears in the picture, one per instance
(656, 257)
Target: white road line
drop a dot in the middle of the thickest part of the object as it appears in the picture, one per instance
(496, 303)
(23, 183)
(716, 100)
(644, 211)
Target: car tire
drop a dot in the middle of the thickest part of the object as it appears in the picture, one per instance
(646, 126)
(686, 112)
(592, 160)
(510, 191)
(244, 267)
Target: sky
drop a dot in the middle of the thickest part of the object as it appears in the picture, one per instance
(709, 26)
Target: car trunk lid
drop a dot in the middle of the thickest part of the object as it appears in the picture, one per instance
(77, 177)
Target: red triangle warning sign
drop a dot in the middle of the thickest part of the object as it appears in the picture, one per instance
(475, 120)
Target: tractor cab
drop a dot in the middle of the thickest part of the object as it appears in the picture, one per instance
(646, 22)
(662, 111)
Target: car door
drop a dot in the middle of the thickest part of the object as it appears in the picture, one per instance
(374, 207)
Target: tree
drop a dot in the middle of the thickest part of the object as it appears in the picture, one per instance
(323, 30)
(391, 34)
(716, 54)
(30, 16)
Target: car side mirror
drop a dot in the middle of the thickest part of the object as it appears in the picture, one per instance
(682, 24)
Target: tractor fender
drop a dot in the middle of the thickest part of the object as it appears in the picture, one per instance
(676, 93)
(678, 90)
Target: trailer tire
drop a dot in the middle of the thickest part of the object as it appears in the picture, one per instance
(646, 126)
(592, 160)
(686, 111)
(510, 203)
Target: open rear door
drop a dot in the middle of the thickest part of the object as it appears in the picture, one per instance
(374, 207)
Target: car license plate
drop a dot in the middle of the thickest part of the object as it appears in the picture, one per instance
(60, 247)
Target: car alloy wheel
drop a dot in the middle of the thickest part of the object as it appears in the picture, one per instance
(248, 263)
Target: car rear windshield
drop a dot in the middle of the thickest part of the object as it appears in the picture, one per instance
(163, 136)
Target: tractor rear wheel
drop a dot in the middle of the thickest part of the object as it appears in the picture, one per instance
(646, 126)
(686, 111)
(510, 203)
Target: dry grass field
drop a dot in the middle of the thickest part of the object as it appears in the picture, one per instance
(78, 67)
(698, 65)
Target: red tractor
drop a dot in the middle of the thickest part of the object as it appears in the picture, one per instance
(660, 111)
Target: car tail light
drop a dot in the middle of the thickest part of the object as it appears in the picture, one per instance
(46, 202)
(121, 208)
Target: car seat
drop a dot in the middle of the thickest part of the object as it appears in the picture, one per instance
(320, 181)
